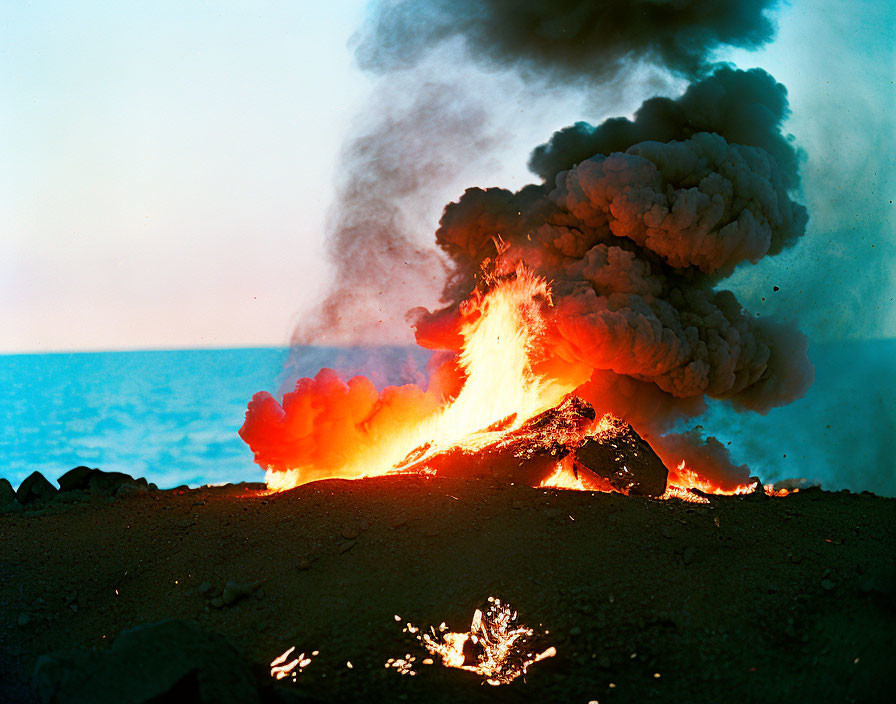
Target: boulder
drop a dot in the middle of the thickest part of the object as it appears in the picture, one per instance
(7, 493)
(96, 481)
(528, 454)
(35, 488)
(75, 479)
(622, 457)
(169, 661)
(130, 489)
(609, 453)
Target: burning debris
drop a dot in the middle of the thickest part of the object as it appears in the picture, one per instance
(496, 648)
(604, 455)
(286, 666)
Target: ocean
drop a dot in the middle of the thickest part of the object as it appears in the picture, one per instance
(173, 416)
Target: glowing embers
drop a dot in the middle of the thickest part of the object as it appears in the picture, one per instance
(285, 666)
(496, 648)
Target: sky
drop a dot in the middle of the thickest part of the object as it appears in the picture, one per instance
(167, 167)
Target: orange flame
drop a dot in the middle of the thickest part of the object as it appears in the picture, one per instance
(330, 429)
(501, 386)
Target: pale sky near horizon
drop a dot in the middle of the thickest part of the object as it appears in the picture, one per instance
(167, 167)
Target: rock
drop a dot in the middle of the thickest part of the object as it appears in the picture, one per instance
(24, 619)
(827, 584)
(12, 507)
(130, 489)
(205, 587)
(619, 455)
(167, 661)
(347, 545)
(303, 564)
(690, 552)
(7, 493)
(349, 532)
(527, 455)
(107, 483)
(95, 481)
(234, 591)
(35, 488)
(398, 521)
(76, 479)
(70, 497)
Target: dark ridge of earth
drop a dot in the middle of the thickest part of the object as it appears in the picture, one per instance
(747, 599)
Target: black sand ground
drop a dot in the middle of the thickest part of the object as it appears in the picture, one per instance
(746, 599)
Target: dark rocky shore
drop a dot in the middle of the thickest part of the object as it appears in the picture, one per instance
(746, 599)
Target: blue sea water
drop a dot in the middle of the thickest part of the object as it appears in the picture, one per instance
(173, 416)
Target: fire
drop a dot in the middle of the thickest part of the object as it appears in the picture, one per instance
(501, 390)
(685, 479)
(499, 382)
(494, 648)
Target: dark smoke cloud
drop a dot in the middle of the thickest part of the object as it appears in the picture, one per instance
(568, 41)
(746, 107)
(636, 242)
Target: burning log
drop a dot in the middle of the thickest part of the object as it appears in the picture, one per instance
(608, 452)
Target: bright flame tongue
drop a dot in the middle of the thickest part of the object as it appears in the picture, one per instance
(501, 335)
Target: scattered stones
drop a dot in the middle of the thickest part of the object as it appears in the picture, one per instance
(35, 488)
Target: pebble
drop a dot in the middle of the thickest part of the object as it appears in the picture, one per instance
(346, 546)
(303, 563)
(205, 587)
(827, 584)
(234, 591)
(349, 532)
(518, 504)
